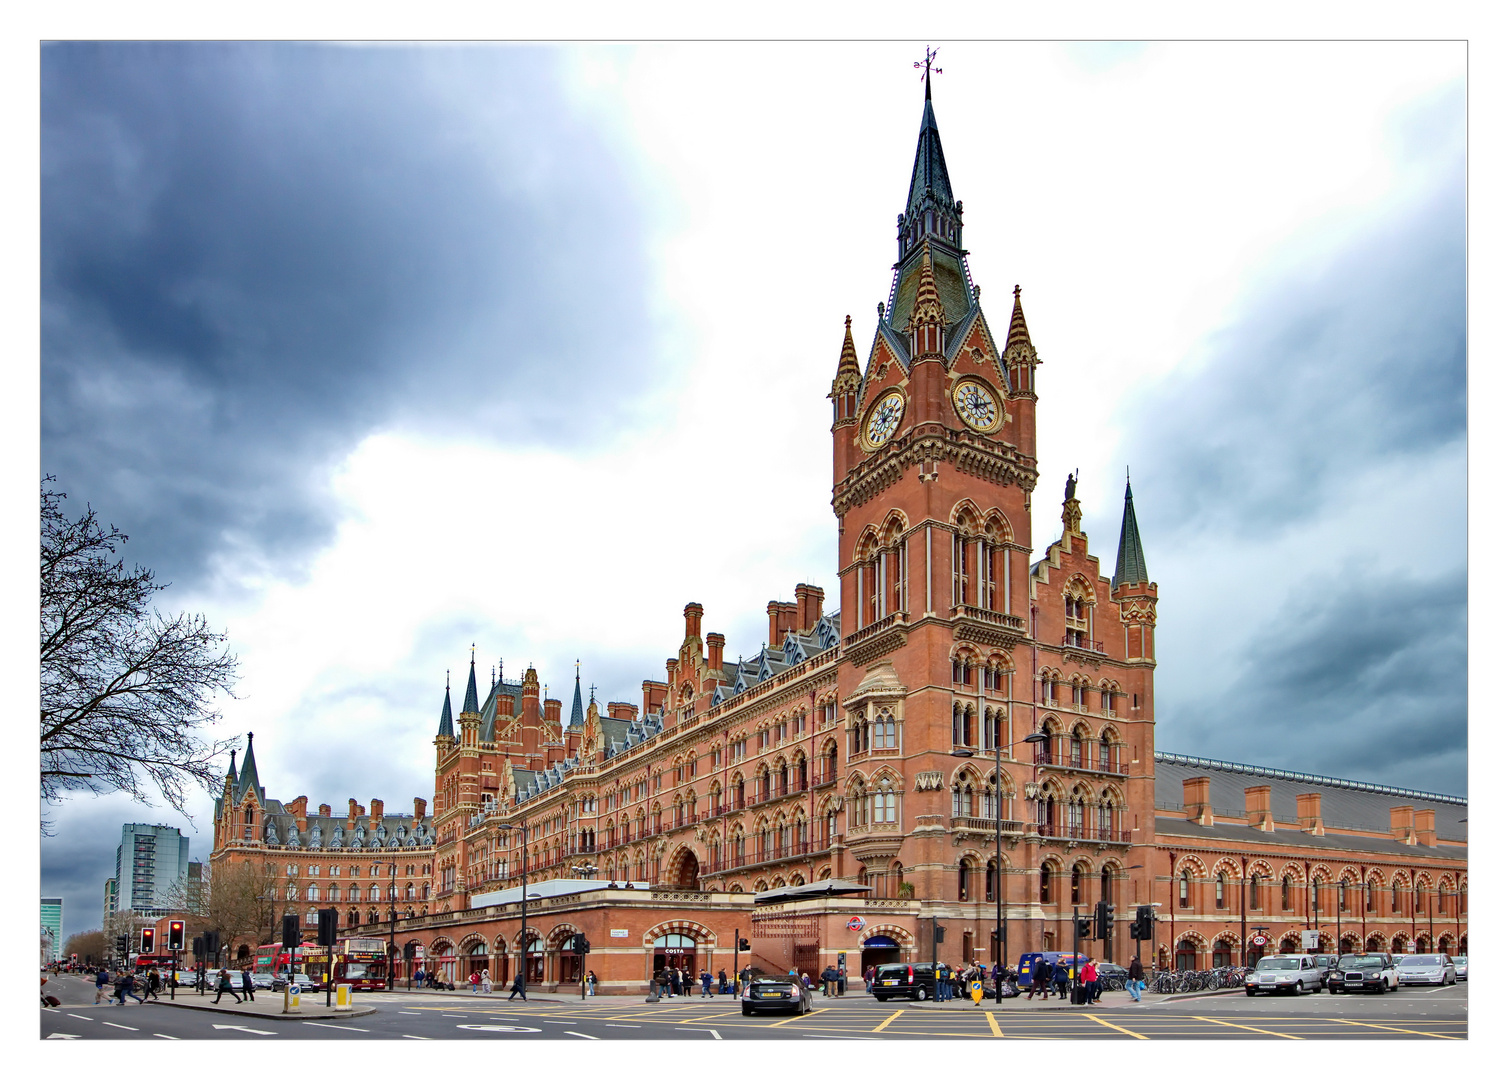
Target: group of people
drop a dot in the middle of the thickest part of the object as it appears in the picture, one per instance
(678, 982)
(1053, 976)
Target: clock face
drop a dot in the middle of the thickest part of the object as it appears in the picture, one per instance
(976, 405)
(884, 418)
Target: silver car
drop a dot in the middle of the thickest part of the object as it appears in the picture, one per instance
(1460, 963)
(1289, 973)
(1426, 969)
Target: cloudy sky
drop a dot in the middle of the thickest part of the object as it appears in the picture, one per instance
(379, 352)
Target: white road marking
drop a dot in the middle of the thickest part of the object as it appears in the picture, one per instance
(160, 1035)
(567, 1023)
(426, 1038)
(76, 1016)
(579, 1035)
(622, 1025)
(337, 1027)
(60, 1035)
(715, 1035)
(455, 1016)
(123, 1026)
(409, 1012)
(498, 1027)
(239, 1027)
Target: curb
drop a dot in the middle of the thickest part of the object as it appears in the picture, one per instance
(356, 1010)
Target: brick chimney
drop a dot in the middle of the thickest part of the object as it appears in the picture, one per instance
(352, 813)
(1401, 824)
(654, 693)
(693, 620)
(715, 643)
(376, 812)
(324, 809)
(1196, 800)
(299, 808)
(1309, 813)
(622, 710)
(420, 806)
(782, 618)
(808, 607)
(1259, 807)
(1424, 827)
(552, 710)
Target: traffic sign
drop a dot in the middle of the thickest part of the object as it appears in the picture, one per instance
(1259, 939)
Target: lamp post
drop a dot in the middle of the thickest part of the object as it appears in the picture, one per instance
(1035, 739)
(522, 828)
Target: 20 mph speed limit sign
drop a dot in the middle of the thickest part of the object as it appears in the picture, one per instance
(1259, 939)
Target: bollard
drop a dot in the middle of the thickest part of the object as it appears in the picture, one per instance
(291, 998)
(343, 998)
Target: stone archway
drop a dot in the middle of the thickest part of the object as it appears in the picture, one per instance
(683, 870)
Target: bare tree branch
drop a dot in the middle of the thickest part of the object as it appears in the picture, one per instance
(125, 689)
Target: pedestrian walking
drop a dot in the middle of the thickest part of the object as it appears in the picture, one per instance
(248, 987)
(722, 980)
(518, 988)
(1134, 975)
(706, 983)
(127, 988)
(869, 978)
(154, 983)
(101, 985)
(1060, 979)
(486, 983)
(223, 986)
(591, 984)
(475, 980)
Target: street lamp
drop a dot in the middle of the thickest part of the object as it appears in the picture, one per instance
(1002, 954)
(522, 828)
(392, 917)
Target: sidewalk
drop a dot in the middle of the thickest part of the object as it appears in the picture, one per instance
(1114, 999)
(267, 1006)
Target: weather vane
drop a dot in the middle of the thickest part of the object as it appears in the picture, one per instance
(927, 65)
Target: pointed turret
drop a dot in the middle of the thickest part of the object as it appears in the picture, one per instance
(231, 775)
(578, 714)
(447, 728)
(1130, 563)
(249, 780)
(1019, 358)
(469, 703)
(927, 316)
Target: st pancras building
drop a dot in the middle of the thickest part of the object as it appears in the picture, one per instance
(962, 740)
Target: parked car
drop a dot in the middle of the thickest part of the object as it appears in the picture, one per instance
(303, 982)
(1326, 963)
(1290, 973)
(1460, 962)
(262, 980)
(918, 981)
(1364, 973)
(1426, 969)
(776, 993)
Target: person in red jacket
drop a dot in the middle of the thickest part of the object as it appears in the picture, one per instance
(1090, 973)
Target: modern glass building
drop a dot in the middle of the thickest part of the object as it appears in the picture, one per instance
(52, 921)
(151, 868)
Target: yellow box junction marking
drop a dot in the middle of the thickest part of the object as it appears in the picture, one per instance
(1244, 1027)
(1117, 1027)
(886, 1022)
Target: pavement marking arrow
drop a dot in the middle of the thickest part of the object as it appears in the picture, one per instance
(238, 1027)
(60, 1035)
(498, 1027)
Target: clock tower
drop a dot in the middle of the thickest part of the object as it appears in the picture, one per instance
(947, 625)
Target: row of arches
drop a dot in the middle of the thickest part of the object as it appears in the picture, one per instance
(1194, 952)
(1318, 889)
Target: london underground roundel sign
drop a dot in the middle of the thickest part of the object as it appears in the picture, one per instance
(856, 923)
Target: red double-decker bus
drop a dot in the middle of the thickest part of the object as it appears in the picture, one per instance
(360, 963)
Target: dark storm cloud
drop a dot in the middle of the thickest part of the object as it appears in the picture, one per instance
(1355, 368)
(1365, 679)
(254, 254)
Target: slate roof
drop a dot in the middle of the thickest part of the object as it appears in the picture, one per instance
(332, 833)
(446, 726)
(1288, 838)
(248, 779)
(469, 704)
(1343, 803)
(929, 171)
(506, 699)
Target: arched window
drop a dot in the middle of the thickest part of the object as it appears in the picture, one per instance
(1342, 901)
(1044, 886)
(1220, 894)
(1076, 747)
(884, 732)
(312, 892)
(1107, 885)
(1185, 880)
(883, 803)
(964, 870)
(1314, 897)
(1371, 898)
(1285, 893)
(990, 876)
(1074, 877)
(1397, 897)
(1254, 898)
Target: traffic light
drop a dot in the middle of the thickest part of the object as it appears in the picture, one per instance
(212, 944)
(148, 939)
(175, 935)
(290, 931)
(1102, 913)
(1141, 929)
(1082, 926)
(743, 945)
(122, 945)
(198, 948)
(329, 924)
(938, 932)
(580, 945)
